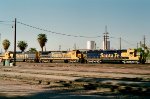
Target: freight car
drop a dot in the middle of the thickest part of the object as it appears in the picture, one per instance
(114, 56)
(25, 56)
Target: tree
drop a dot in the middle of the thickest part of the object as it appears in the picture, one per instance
(6, 44)
(22, 45)
(144, 50)
(42, 39)
(32, 50)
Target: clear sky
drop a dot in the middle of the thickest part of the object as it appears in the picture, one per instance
(129, 19)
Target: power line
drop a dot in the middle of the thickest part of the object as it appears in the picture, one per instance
(45, 30)
(127, 42)
(6, 22)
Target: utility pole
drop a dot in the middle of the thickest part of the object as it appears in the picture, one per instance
(15, 43)
(140, 44)
(106, 37)
(144, 42)
(137, 45)
(1, 43)
(120, 43)
(59, 47)
(104, 42)
(75, 47)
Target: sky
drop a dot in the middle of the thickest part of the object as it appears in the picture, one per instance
(128, 19)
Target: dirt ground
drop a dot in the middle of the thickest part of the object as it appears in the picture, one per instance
(72, 81)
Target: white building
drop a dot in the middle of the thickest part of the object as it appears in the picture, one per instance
(108, 45)
(91, 45)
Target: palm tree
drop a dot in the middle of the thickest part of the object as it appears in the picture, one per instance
(6, 44)
(42, 39)
(32, 50)
(22, 45)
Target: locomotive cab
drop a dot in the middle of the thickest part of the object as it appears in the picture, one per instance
(80, 56)
(7, 55)
(131, 56)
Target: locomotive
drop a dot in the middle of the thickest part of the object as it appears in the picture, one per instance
(76, 56)
(114, 56)
(47, 56)
(65, 56)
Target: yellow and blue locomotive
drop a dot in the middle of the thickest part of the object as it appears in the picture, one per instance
(76, 56)
(114, 56)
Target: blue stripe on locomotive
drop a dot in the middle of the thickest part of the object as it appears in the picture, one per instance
(94, 53)
(112, 52)
(97, 53)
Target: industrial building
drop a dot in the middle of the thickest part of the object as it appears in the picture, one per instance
(91, 45)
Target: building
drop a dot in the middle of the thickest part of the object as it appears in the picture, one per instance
(91, 45)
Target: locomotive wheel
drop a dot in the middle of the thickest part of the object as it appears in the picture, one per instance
(81, 60)
(41, 61)
(65, 61)
(50, 61)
